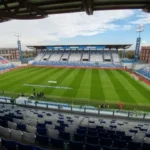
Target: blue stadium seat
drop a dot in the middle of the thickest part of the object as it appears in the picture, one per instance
(79, 137)
(38, 148)
(42, 140)
(81, 131)
(41, 131)
(60, 121)
(8, 144)
(92, 147)
(82, 128)
(147, 135)
(115, 136)
(57, 143)
(48, 122)
(127, 138)
(134, 145)
(21, 127)
(64, 135)
(133, 131)
(59, 128)
(103, 134)
(146, 146)
(92, 133)
(92, 139)
(120, 143)
(73, 145)
(110, 148)
(105, 141)
(100, 128)
(120, 133)
(24, 147)
(40, 115)
(40, 125)
(110, 132)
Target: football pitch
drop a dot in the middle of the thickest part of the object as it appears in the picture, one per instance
(78, 86)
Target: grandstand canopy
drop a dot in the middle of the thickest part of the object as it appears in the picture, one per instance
(59, 47)
(37, 9)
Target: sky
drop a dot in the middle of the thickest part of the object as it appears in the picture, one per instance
(104, 27)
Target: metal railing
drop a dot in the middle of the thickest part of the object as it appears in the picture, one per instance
(80, 109)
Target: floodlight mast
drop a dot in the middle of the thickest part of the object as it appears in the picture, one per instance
(140, 29)
(18, 35)
(138, 42)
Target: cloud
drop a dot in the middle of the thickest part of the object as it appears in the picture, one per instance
(57, 27)
(142, 19)
(127, 27)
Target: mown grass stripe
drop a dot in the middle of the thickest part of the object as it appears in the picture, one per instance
(123, 94)
(96, 86)
(14, 74)
(11, 83)
(138, 87)
(75, 84)
(85, 87)
(108, 87)
(37, 79)
(62, 77)
(65, 82)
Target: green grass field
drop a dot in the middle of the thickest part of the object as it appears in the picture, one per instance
(89, 86)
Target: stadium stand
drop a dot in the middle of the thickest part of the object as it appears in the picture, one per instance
(115, 57)
(145, 71)
(96, 56)
(5, 64)
(22, 128)
(106, 59)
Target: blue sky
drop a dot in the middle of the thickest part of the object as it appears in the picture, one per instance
(104, 27)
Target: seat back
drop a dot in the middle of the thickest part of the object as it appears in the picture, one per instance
(92, 139)
(52, 133)
(29, 137)
(25, 147)
(79, 137)
(42, 140)
(75, 145)
(16, 134)
(8, 144)
(5, 132)
(41, 131)
(12, 125)
(92, 147)
(64, 135)
(57, 143)
(31, 129)
(21, 127)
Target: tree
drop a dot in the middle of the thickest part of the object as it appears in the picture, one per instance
(130, 54)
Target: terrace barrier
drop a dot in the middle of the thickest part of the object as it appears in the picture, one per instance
(83, 110)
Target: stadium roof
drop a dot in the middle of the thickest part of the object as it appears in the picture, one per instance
(37, 9)
(116, 46)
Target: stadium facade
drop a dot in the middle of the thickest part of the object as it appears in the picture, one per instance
(145, 54)
(10, 54)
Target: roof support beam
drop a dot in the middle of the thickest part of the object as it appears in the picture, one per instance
(5, 4)
(88, 6)
(31, 7)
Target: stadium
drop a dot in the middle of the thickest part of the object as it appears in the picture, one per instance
(69, 97)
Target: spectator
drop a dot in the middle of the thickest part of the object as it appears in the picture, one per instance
(108, 106)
